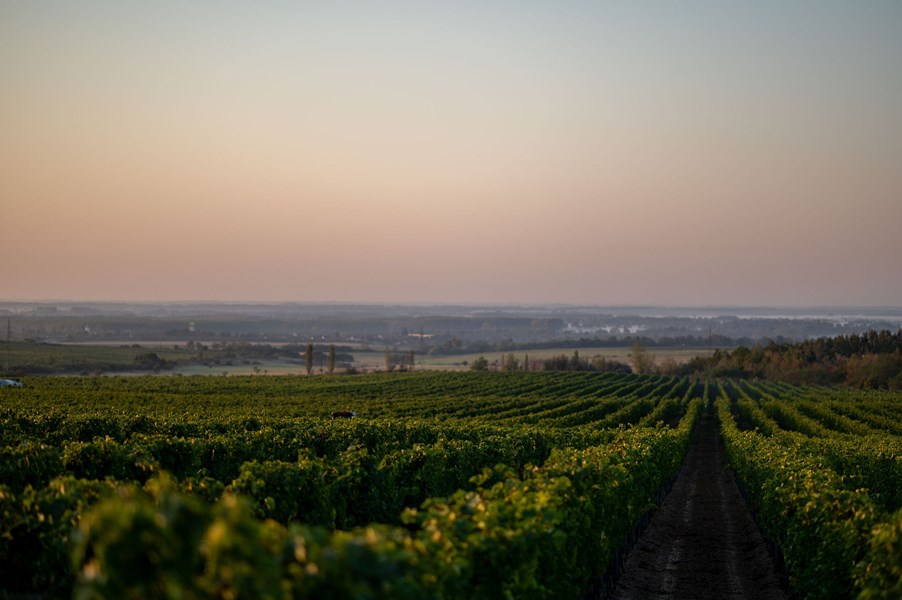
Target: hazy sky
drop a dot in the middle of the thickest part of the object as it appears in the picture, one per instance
(692, 153)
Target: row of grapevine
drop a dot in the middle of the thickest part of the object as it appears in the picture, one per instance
(540, 535)
(444, 485)
(262, 457)
(432, 395)
(838, 540)
(864, 458)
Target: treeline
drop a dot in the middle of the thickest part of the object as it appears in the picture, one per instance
(559, 362)
(262, 351)
(458, 346)
(562, 362)
(869, 360)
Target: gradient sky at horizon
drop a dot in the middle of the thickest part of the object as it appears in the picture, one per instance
(692, 153)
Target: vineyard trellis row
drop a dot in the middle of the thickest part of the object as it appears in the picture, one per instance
(445, 485)
(828, 500)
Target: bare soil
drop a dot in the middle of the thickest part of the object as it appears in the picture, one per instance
(702, 542)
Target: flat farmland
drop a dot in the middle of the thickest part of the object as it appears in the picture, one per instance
(167, 358)
(375, 360)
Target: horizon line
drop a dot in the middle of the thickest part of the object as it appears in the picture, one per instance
(461, 303)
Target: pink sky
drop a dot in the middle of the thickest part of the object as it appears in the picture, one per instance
(389, 151)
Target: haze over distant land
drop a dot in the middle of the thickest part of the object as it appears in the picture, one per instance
(665, 154)
(493, 327)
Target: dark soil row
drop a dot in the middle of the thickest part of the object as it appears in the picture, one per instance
(702, 542)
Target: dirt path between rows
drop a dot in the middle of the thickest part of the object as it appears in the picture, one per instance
(702, 542)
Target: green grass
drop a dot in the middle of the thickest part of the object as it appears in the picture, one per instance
(33, 357)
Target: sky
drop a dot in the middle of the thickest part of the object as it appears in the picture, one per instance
(654, 153)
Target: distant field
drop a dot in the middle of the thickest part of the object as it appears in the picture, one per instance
(123, 359)
(72, 358)
(262, 367)
(375, 360)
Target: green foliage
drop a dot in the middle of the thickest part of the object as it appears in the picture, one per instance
(542, 535)
(33, 358)
(308, 358)
(29, 464)
(510, 363)
(369, 563)
(879, 575)
(162, 544)
(151, 361)
(501, 484)
(241, 555)
(141, 546)
(35, 527)
(872, 360)
(480, 364)
(562, 362)
(830, 535)
(286, 491)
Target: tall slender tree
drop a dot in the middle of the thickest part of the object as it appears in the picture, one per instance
(308, 358)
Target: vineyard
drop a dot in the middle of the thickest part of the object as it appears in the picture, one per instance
(444, 484)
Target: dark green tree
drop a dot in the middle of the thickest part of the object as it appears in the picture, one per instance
(308, 358)
(480, 364)
(575, 362)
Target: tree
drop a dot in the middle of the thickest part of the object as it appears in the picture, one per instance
(643, 362)
(308, 358)
(510, 363)
(558, 362)
(602, 364)
(575, 362)
(389, 361)
(480, 364)
(670, 366)
(150, 361)
(330, 361)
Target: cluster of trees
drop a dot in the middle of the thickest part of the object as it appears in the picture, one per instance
(314, 355)
(560, 362)
(151, 361)
(401, 360)
(394, 360)
(870, 360)
(456, 345)
(243, 349)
